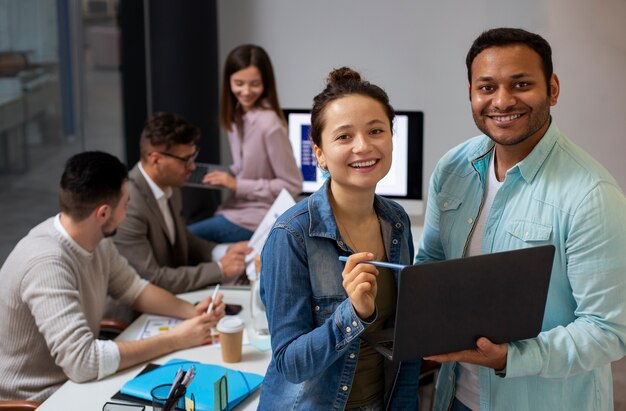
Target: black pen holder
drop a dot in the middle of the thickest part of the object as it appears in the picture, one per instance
(160, 395)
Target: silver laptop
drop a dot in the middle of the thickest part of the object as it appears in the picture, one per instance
(445, 306)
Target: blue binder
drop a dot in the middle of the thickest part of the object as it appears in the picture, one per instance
(240, 384)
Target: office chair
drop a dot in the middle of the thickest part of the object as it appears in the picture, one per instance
(111, 328)
(18, 405)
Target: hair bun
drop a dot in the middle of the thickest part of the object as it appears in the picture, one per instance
(342, 75)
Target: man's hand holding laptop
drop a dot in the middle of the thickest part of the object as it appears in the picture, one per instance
(486, 354)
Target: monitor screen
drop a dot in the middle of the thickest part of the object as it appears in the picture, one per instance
(404, 180)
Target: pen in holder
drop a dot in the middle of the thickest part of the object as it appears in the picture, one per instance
(163, 401)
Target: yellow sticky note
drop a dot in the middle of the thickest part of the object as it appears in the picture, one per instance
(190, 404)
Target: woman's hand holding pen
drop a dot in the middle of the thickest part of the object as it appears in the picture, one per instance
(359, 281)
(220, 178)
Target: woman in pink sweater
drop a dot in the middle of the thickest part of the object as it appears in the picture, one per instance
(263, 161)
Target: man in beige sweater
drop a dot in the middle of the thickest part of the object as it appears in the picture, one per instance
(55, 283)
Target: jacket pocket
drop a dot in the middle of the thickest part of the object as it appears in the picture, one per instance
(324, 307)
(529, 232)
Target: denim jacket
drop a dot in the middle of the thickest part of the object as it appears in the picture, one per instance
(315, 329)
(557, 195)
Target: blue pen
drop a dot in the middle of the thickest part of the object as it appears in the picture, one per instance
(377, 263)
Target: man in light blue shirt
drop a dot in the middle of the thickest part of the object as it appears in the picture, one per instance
(524, 184)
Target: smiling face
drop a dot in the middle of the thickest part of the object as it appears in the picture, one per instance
(356, 142)
(247, 86)
(509, 95)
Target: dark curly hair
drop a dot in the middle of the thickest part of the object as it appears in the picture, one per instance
(165, 130)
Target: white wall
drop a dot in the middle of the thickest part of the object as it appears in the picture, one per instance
(415, 50)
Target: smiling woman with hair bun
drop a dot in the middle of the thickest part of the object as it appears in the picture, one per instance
(317, 307)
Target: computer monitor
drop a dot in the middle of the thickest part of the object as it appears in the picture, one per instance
(404, 180)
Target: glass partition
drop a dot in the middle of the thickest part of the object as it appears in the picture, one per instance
(59, 95)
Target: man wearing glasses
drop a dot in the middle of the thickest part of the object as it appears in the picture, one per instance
(154, 237)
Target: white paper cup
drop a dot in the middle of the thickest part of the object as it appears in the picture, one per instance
(231, 337)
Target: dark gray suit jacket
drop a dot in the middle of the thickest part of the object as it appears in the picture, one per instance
(142, 239)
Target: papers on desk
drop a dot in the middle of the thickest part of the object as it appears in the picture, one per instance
(157, 324)
(240, 384)
(283, 202)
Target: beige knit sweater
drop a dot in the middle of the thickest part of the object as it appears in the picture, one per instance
(52, 296)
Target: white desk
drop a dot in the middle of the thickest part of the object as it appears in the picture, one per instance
(92, 395)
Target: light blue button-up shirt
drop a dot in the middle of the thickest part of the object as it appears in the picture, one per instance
(557, 195)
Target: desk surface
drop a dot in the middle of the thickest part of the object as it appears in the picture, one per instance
(92, 395)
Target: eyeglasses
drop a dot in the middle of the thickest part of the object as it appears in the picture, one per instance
(188, 160)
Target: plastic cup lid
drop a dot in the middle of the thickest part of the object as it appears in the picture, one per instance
(230, 324)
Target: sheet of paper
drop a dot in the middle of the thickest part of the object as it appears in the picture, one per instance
(283, 202)
(157, 324)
